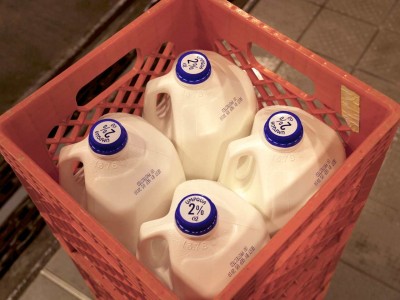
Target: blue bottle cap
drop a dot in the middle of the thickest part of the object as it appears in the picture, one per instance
(107, 137)
(193, 67)
(196, 215)
(283, 129)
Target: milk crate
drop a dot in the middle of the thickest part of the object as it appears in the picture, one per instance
(299, 261)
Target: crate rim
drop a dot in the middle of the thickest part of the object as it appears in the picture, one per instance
(8, 147)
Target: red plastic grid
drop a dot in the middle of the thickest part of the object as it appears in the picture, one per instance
(318, 229)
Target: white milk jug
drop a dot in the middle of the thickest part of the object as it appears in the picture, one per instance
(130, 173)
(284, 161)
(208, 102)
(208, 236)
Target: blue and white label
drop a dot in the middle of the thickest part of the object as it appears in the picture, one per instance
(107, 137)
(283, 129)
(194, 63)
(106, 132)
(195, 209)
(193, 67)
(196, 215)
(283, 124)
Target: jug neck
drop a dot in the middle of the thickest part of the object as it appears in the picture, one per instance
(283, 130)
(196, 215)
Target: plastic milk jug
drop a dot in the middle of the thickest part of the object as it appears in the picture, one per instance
(130, 172)
(208, 236)
(284, 161)
(208, 102)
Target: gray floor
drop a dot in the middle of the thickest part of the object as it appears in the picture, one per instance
(362, 37)
(34, 40)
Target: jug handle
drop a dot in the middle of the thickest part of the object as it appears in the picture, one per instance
(156, 229)
(69, 156)
(236, 150)
(155, 87)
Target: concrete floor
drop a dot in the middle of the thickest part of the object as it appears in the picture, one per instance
(46, 35)
(362, 37)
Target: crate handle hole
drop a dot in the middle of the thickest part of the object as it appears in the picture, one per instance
(106, 78)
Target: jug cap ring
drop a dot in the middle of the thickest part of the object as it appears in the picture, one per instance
(107, 137)
(283, 129)
(193, 67)
(196, 215)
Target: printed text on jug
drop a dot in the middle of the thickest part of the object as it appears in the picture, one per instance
(323, 172)
(146, 180)
(230, 107)
(240, 260)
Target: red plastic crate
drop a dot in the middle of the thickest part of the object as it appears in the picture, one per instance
(299, 261)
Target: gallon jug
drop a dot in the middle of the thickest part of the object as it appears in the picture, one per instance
(130, 172)
(202, 104)
(208, 236)
(289, 155)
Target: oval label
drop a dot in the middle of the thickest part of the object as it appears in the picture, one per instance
(106, 132)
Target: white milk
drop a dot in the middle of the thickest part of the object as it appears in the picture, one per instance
(208, 102)
(287, 158)
(130, 173)
(208, 236)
